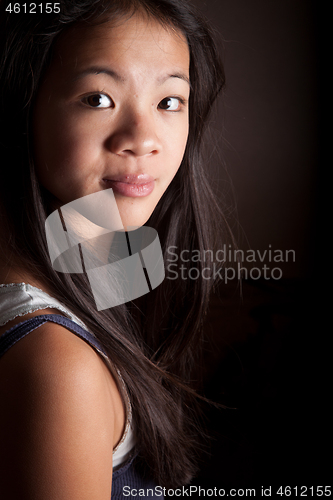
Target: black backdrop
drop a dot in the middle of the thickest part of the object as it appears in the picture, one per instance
(266, 354)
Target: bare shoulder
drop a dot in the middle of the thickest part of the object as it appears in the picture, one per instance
(52, 357)
(59, 406)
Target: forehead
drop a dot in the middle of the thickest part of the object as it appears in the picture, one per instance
(138, 43)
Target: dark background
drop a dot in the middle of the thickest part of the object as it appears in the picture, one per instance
(267, 120)
(265, 354)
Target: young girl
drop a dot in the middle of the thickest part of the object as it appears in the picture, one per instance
(97, 95)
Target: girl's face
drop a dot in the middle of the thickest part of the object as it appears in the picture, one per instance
(112, 112)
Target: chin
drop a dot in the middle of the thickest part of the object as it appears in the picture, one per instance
(135, 223)
(134, 218)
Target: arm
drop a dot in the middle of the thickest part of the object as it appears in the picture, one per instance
(58, 419)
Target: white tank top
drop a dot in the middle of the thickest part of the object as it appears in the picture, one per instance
(18, 299)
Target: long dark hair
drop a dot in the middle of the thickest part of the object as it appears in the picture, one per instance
(152, 341)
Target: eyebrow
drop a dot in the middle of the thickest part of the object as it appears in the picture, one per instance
(96, 70)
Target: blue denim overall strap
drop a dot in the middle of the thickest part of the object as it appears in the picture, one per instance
(127, 482)
(17, 332)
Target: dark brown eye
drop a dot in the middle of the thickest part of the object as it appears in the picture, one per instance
(98, 101)
(170, 104)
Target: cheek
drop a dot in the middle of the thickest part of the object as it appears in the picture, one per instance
(63, 146)
(176, 144)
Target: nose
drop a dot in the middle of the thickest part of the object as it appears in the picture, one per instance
(135, 136)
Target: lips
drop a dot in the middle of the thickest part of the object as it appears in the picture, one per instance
(131, 185)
